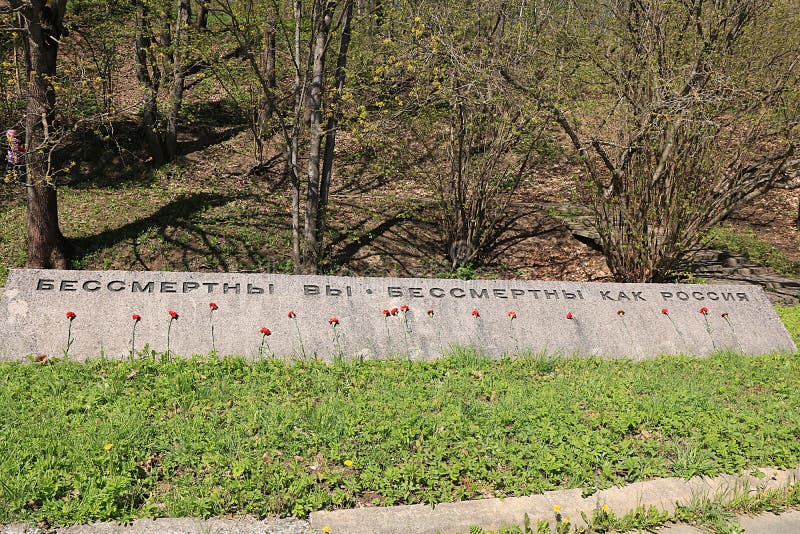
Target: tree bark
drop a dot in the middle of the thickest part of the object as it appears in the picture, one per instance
(45, 244)
(294, 146)
(268, 66)
(179, 44)
(201, 22)
(151, 82)
(322, 23)
(333, 121)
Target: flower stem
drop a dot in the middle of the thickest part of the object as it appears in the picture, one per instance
(133, 340)
(299, 338)
(733, 330)
(69, 340)
(211, 321)
(708, 329)
(263, 343)
(169, 329)
(513, 337)
(405, 334)
(338, 344)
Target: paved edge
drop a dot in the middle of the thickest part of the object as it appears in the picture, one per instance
(665, 494)
(178, 525)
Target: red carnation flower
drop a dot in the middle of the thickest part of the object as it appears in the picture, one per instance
(386, 313)
(403, 308)
(724, 315)
(476, 313)
(704, 310)
(136, 317)
(512, 314)
(569, 315)
(664, 311)
(71, 315)
(291, 314)
(621, 313)
(173, 314)
(393, 311)
(264, 330)
(430, 313)
(333, 320)
(213, 305)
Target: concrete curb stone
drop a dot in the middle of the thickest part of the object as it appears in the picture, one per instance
(183, 525)
(492, 514)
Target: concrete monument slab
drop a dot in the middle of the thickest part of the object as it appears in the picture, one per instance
(375, 317)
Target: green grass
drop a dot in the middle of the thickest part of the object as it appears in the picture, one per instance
(208, 436)
(746, 243)
(790, 315)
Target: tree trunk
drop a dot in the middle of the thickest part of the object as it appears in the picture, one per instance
(201, 22)
(324, 16)
(180, 45)
(144, 57)
(295, 145)
(333, 121)
(268, 66)
(45, 243)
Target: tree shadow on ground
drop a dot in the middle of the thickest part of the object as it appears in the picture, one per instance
(176, 214)
(409, 243)
(209, 123)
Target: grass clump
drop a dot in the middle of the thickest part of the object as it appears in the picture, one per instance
(790, 315)
(747, 243)
(212, 436)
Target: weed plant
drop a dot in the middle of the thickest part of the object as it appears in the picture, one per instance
(210, 436)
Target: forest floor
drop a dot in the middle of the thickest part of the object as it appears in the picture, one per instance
(207, 211)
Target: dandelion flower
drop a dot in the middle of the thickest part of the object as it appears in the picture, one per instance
(108, 446)
(348, 463)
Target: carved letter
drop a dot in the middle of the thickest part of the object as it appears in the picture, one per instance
(136, 287)
(116, 285)
(517, 293)
(332, 292)
(68, 285)
(44, 284)
(457, 295)
(211, 286)
(500, 293)
(395, 291)
(606, 295)
(437, 292)
(483, 294)
(94, 288)
(637, 295)
(548, 293)
(697, 295)
(168, 287)
(310, 289)
(228, 287)
(190, 286)
(254, 290)
(742, 296)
